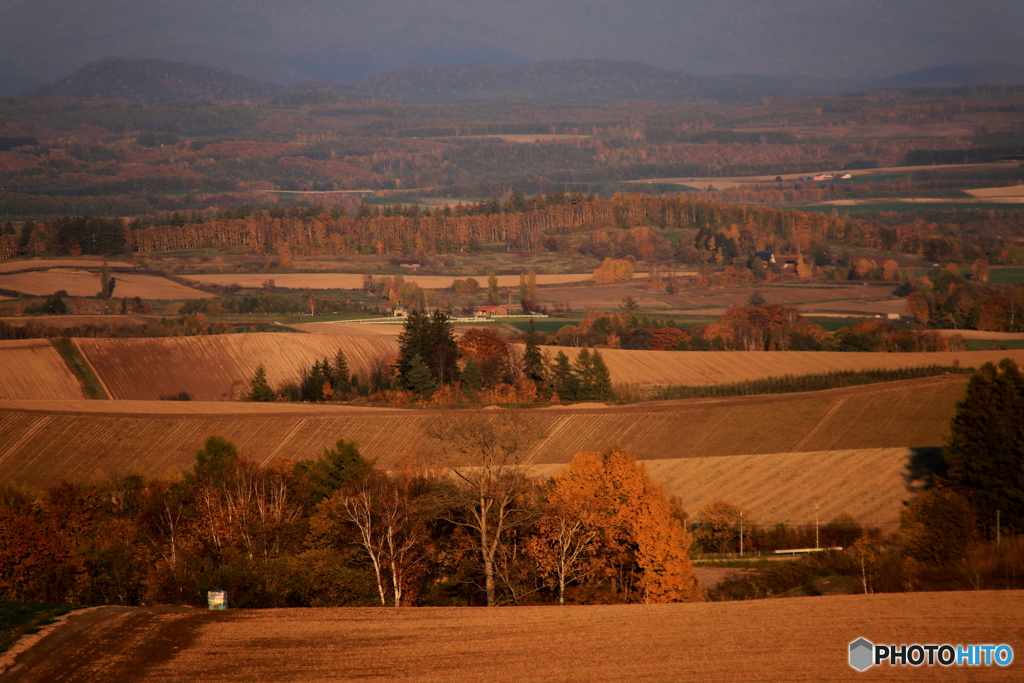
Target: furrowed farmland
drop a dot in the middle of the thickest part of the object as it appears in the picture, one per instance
(207, 367)
(79, 440)
(84, 283)
(867, 483)
(807, 638)
(660, 368)
(212, 368)
(32, 368)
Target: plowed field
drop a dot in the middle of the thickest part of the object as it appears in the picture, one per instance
(784, 487)
(84, 283)
(658, 368)
(207, 366)
(355, 280)
(796, 639)
(15, 265)
(32, 368)
(44, 441)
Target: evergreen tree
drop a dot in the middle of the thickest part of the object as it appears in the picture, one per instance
(986, 446)
(756, 299)
(433, 339)
(533, 362)
(215, 463)
(260, 391)
(315, 379)
(493, 295)
(472, 379)
(601, 389)
(584, 370)
(419, 379)
(564, 380)
(442, 349)
(336, 467)
(25, 235)
(342, 378)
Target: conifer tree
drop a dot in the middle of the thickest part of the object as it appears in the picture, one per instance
(419, 379)
(332, 470)
(533, 362)
(986, 446)
(493, 295)
(601, 388)
(472, 379)
(342, 378)
(260, 391)
(584, 371)
(564, 380)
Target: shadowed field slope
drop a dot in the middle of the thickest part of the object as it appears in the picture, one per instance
(783, 487)
(32, 368)
(43, 441)
(207, 366)
(798, 639)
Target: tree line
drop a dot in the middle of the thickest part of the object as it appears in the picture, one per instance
(465, 526)
(529, 226)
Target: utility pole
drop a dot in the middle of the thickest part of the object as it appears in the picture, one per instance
(817, 527)
(741, 533)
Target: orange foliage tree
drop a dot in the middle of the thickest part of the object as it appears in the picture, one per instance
(607, 520)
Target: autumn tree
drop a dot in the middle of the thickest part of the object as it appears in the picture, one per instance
(938, 526)
(390, 530)
(718, 529)
(490, 352)
(643, 547)
(488, 454)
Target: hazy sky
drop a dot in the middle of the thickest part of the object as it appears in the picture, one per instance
(345, 40)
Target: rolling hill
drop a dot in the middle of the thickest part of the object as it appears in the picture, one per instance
(154, 80)
(44, 441)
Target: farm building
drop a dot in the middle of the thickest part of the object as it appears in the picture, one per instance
(492, 311)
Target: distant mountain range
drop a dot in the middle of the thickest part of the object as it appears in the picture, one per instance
(158, 80)
(154, 80)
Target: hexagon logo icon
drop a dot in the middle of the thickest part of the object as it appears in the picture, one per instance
(861, 654)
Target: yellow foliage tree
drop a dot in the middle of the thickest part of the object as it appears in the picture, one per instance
(614, 270)
(607, 519)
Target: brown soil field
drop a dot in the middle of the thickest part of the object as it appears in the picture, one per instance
(871, 300)
(839, 131)
(784, 487)
(84, 283)
(355, 280)
(660, 368)
(208, 366)
(73, 320)
(982, 334)
(32, 368)
(793, 639)
(44, 441)
(15, 265)
(1015, 191)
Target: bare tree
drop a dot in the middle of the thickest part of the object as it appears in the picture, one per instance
(382, 511)
(488, 453)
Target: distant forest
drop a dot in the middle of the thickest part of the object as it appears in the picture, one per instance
(126, 158)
